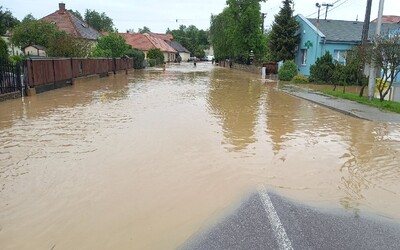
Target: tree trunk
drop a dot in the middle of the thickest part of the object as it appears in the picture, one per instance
(362, 89)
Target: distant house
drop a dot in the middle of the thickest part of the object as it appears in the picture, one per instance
(182, 51)
(35, 50)
(12, 49)
(71, 24)
(388, 19)
(168, 38)
(335, 36)
(145, 42)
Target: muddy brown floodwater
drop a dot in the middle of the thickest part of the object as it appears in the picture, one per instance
(144, 161)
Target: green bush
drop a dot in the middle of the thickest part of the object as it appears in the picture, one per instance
(157, 55)
(300, 79)
(17, 58)
(287, 71)
(138, 57)
(323, 70)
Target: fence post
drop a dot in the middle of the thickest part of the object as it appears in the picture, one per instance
(33, 75)
(54, 73)
(18, 73)
(72, 72)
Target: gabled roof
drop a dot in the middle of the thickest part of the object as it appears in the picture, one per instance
(348, 31)
(39, 47)
(145, 42)
(69, 23)
(178, 47)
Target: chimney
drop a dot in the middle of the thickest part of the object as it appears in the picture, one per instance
(61, 7)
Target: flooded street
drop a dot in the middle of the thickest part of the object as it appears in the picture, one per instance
(146, 160)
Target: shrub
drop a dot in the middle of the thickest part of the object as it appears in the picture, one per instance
(16, 58)
(323, 70)
(156, 55)
(300, 79)
(287, 71)
(138, 57)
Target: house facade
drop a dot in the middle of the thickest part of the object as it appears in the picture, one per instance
(181, 51)
(335, 36)
(169, 39)
(12, 49)
(35, 50)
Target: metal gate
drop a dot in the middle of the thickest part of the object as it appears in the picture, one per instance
(10, 77)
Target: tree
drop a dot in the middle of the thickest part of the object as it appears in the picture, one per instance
(112, 45)
(100, 22)
(386, 55)
(144, 30)
(193, 39)
(31, 32)
(284, 38)
(3, 50)
(221, 35)
(76, 13)
(28, 18)
(237, 30)
(7, 21)
(64, 45)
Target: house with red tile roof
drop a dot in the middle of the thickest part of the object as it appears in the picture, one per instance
(388, 19)
(168, 38)
(71, 24)
(165, 37)
(145, 42)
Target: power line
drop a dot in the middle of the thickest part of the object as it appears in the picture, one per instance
(338, 5)
(323, 8)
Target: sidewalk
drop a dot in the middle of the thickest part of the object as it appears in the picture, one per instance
(344, 106)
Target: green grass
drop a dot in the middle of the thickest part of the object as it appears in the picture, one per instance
(385, 105)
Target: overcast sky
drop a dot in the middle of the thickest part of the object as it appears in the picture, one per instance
(159, 15)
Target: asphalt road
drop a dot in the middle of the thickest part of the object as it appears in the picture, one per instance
(268, 221)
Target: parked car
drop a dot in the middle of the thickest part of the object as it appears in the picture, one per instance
(193, 58)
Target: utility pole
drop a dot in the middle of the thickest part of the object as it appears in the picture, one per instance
(327, 5)
(372, 71)
(364, 35)
(263, 16)
(319, 9)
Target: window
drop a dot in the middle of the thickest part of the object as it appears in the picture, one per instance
(340, 56)
(303, 56)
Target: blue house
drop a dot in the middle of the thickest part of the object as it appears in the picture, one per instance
(335, 36)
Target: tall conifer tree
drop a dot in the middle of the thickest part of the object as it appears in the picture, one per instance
(284, 36)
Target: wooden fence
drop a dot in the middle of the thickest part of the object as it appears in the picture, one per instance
(45, 73)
